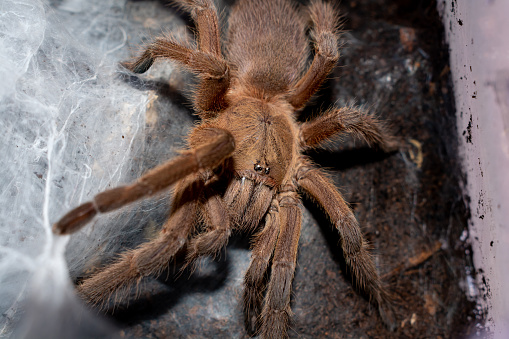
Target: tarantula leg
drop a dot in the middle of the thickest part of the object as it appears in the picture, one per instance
(325, 33)
(150, 258)
(276, 311)
(203, 63)
(254, 284)
(212, 69)
(359, 123)
(207, 61)
(355, 247)
(204, 14)
(218, 231)
(211, 91)
(217, 144)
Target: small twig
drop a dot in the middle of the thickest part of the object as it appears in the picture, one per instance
(415, 260)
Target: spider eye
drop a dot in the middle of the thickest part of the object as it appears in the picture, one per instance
(267, 170)
(258, 167)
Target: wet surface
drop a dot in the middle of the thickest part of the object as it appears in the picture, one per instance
(409, 202)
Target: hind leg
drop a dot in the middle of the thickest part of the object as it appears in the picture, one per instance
(359, 123)
(325, 33)
(355, 247)
(206, 61)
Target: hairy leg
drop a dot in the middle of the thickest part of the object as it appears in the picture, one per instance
(218, 229)
(276, 311)
(207, 62)
(204, 14)
(355, 247)
(211, 90)
(254, 284)
(152, 257)
(217, 144)
(359, 123)
(325, 33)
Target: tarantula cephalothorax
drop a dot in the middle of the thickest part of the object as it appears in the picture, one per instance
(244, 166)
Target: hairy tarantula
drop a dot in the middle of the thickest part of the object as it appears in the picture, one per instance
(245, 165)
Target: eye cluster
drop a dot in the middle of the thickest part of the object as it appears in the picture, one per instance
(259, 168)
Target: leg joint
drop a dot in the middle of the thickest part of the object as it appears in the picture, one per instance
(327, 46)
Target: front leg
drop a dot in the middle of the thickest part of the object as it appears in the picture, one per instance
(355, 247)
(215, 146)
(276, 311)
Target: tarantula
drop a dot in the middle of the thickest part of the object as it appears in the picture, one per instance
(244, 166)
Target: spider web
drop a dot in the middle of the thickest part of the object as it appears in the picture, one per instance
(70, 126)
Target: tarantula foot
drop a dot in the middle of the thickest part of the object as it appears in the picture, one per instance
(275, 324)
(394, 144)
(141, 65)
(388, 317)
(251, 324)
(210, 243)
(252, 310)
(75, 219)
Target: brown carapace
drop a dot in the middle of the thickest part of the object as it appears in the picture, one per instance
(244, 167)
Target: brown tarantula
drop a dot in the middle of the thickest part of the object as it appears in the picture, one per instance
(245, 164)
